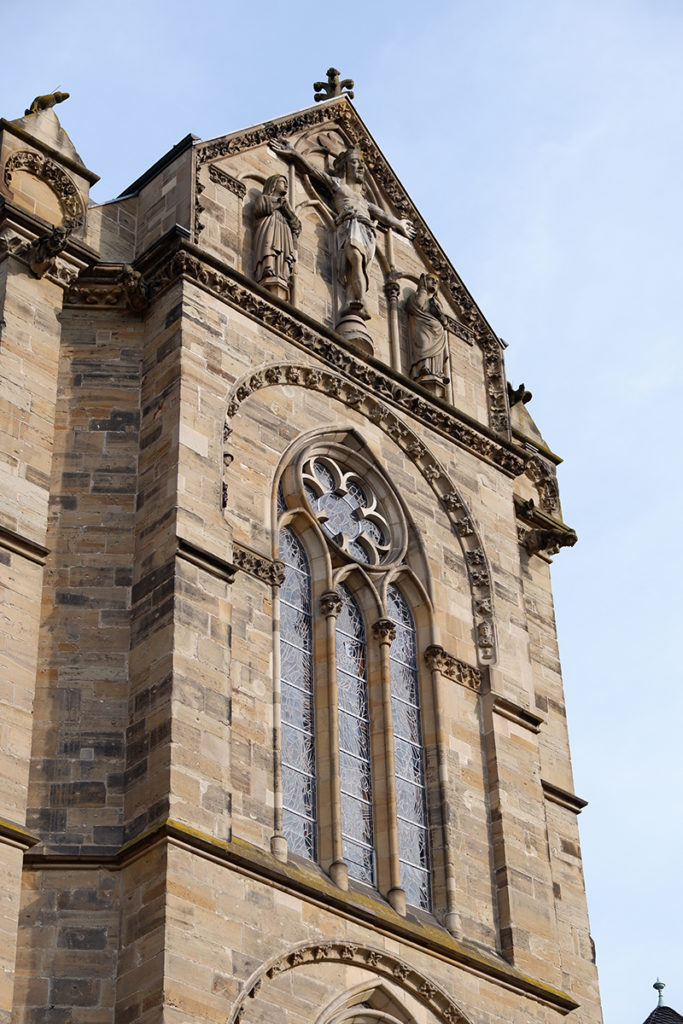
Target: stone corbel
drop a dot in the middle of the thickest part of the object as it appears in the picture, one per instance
(539, 533)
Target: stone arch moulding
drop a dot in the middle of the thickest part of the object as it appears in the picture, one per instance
(55, 178)
(385, 965)
(408, 441)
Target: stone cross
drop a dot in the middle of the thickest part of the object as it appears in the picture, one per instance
(332, 87)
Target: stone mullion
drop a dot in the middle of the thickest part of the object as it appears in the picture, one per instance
(385, 632)
(278, 842)
(435, 657)
(331, 606)
(391, 290)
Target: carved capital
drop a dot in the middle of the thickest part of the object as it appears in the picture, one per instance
(392, 290)
(384, 630)
(330, 603)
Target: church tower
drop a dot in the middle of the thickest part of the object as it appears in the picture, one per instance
(283, 730)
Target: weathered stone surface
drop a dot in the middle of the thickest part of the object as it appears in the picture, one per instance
(149, 412)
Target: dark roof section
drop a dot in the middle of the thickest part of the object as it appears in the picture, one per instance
(664, 1015)
(156, 168)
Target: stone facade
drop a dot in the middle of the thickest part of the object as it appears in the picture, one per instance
(160, 412)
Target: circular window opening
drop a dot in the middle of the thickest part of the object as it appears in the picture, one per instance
(349, 510)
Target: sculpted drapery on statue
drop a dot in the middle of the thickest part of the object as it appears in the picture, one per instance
(274, 238)
(428, 333)
(354, 220)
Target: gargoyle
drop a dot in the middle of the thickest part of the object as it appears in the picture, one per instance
(45, 102)
(42, 252)
(333, 87)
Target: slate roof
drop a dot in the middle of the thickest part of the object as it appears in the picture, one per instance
(664, 1015)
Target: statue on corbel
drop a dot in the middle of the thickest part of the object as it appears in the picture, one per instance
(277, 229)
(428, 333)
(354, 219)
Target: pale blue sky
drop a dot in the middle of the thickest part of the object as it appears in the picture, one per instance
(542, 142)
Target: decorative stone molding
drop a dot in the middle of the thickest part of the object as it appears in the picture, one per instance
(221, 177)
(545, 478)
(384, 964)
(49, 172)
(226, 283)
(415, 449)
(342, 114)
(267, 569)
(451, 667)
(111, 285)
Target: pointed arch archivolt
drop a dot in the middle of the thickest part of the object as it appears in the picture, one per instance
(383, 965)
(450, 499)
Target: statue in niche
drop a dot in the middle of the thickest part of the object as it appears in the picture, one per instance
(354, 219)
(277, 228)
(428, 335)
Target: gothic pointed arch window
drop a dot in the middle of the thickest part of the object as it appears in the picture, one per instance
(351, 732)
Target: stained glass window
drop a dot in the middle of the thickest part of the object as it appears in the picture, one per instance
(296, 663)
(413, 836)
(354, 741)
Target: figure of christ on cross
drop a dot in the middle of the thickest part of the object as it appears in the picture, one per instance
(354, 220)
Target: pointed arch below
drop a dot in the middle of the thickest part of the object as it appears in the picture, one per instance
(413, 447)
(385, 966)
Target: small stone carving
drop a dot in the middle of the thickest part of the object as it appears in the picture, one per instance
(134, 288)
(42, 253)
(428, 335)
(45, 102)
(355, 234)
(333, 87)
(274, 240)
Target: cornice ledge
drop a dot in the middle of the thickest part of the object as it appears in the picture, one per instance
(12, 834)
(312, 883)
(174, 257)
(206, 560)
(562, 797)
(23, 546)
(517, 714)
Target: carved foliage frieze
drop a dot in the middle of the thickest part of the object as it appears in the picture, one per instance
(383, 964)
(49, 172)
(221, 283)
(343, 116)
(267, 569)
(415, 449)
(221, 177)
(451, 667)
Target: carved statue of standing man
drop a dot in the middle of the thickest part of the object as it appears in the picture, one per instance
(428, 334)
(277, 227)
(354, 220)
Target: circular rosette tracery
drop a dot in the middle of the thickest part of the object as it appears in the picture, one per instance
(347, 509)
